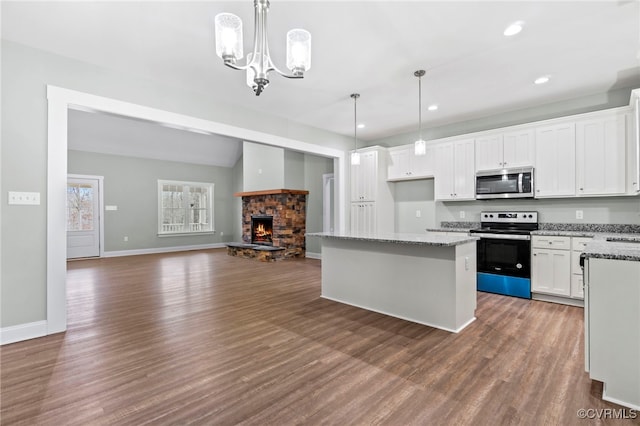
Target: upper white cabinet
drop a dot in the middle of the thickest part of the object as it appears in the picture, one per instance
(454, 170)
(600, 156)
(505, 150)
(555, 173)
(405, 165)
(633, 146)
(364, 177)
(372, 207)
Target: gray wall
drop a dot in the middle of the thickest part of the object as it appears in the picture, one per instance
(238, 186)
(25, 72)
(314, 168)
(263, 167)
(294, 166)
(411, 197)
(132, 185)
(596, 210)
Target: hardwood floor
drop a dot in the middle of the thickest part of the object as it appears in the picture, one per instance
(204, 338)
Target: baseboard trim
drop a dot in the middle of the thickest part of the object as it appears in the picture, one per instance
(557, 299)
(20, 332)
(311, 255)
(118, 253)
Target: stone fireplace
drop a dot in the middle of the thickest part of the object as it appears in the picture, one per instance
(286, 211)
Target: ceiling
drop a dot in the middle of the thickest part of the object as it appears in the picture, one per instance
(369, 47)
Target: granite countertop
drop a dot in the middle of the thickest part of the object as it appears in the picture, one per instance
(448, 229)
(624, 247)
(426, 239)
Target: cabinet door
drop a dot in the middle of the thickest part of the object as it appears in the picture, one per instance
(551, 272)
(399, 164)
(519, 149)
(464, 173)
(555, 161)
(364, 177)
(577, 289)
(489, 153)
(443, 176)
(422, 165)
(600, 156)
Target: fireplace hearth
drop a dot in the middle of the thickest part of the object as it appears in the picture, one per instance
(262, 230)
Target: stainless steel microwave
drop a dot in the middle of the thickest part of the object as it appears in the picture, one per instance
(505, 183)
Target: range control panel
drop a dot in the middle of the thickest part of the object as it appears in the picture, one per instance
(509, 217)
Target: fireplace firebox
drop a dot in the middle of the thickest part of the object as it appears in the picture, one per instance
(262, 230)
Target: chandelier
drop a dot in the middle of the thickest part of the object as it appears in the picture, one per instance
(259, 64)
(420, 146)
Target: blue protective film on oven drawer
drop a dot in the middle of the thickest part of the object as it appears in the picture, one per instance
(502, 284)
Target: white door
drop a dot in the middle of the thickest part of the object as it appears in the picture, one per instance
(83, 218)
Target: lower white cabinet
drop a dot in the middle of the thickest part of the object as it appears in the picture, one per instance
(550, 271)
(555, 265)
(363, 218)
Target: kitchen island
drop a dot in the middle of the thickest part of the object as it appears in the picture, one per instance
(426, 278)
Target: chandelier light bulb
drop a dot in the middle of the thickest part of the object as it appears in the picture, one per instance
(298, 51)
(229, 37)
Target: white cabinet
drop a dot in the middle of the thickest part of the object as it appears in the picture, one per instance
(510, 149)
(633, 146)
(372, 207)
(364, 177)
(551, 265)
(404, 164)
(577, 247)
(455, 170)
(363, 217)
(555, 174)
(600, 156)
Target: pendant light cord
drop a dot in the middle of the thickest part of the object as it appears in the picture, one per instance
(419, 74)
(355, 97)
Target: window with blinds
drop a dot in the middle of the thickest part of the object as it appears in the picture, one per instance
(185, 207)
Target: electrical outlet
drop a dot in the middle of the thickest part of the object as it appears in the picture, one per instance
(579, 214)
(221, 233)
(462, 214)
(126, 238)
(418, 213)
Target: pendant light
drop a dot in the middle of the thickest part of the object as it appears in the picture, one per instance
(355, 155)
(420, 146)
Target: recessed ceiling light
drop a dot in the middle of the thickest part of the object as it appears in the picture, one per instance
(513, 29)
(361, 126)
(432, 107)
(542, 80)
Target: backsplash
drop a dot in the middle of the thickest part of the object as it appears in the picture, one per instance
(577, 227)
(591, 227)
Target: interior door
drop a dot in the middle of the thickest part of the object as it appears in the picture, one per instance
(83, 218)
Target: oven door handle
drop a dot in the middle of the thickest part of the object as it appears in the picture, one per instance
(502, 236)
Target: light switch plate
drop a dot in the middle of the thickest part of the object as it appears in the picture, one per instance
(24, 198)
(579, 214)
(111, 208)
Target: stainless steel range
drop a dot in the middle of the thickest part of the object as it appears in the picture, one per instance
(504, 252)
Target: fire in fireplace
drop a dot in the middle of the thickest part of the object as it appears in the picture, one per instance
(262, 230)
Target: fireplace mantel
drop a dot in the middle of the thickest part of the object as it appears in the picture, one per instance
(271, 192)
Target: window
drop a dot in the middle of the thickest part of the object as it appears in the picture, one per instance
(185, 207)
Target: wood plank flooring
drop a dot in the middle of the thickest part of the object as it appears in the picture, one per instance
(204, 338)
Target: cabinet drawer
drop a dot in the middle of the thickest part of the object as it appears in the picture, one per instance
(578, 243)
(551, 242)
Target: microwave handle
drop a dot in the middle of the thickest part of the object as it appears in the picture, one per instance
(520, 182)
